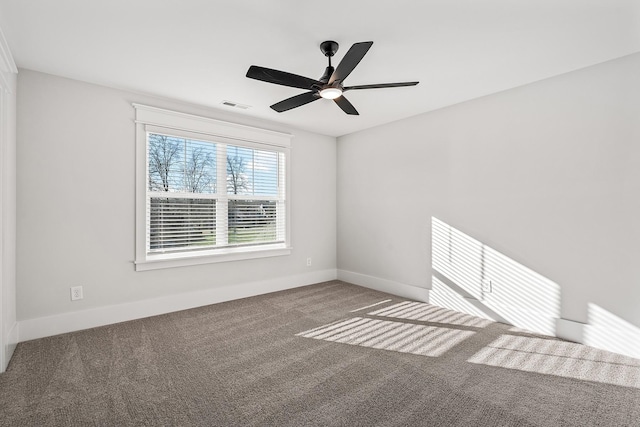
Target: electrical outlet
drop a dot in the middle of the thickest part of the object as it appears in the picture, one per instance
(487, 286)
(309, 262)
(76, 293)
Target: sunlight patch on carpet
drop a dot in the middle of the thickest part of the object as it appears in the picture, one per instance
(371, 305)
(565, 359)
(424, 312)
(388, 335)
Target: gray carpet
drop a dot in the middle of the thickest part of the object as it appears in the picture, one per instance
(314, 356)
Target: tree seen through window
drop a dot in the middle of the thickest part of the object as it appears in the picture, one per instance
(189, 218)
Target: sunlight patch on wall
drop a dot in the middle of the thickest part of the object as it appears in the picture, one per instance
(387, 335)
(424, 312)
(609, 332)
(560, 358)
(517, 294)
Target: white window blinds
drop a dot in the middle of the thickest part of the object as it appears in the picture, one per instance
(189, 211)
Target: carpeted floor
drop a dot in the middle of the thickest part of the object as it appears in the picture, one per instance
(316, 356)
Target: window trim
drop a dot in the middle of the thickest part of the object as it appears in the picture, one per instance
(187, 125)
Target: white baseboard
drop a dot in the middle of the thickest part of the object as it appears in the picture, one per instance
(40, 327)
(9, 346)
(621, 338)
(570, 330)
(384, 285)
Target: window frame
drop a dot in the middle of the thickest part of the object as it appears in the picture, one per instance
(152, 119)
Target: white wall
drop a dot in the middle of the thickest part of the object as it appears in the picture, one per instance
(546, 175)
(76, 178)
(8, 325)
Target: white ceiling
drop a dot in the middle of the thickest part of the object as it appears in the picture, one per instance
(199, 50)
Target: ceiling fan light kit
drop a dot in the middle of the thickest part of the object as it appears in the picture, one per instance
(331, 93)
(329, 86)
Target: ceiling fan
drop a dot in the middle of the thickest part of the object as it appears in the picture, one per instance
(329, 86)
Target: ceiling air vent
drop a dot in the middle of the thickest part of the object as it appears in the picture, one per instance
(236, 105)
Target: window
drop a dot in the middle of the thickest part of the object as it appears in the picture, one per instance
(208, 191)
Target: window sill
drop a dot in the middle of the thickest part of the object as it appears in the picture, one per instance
(155, 262)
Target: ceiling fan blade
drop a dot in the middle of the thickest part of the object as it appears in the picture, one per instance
(346, 106)
(281, 78)
(295, 101)
(349, 62)
(379, 86)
